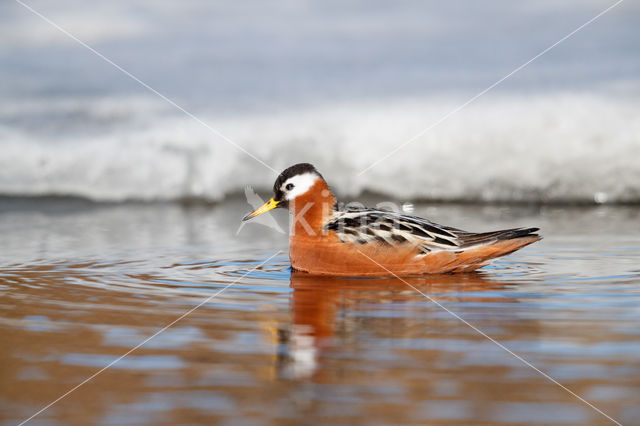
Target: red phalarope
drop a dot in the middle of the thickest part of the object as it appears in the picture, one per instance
(354, 241)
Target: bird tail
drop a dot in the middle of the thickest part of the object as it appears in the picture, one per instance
(470, 239)
(480, 249)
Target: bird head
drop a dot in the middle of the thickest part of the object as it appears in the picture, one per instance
(293, 182)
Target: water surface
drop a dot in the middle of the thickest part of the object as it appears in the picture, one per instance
(82, 283)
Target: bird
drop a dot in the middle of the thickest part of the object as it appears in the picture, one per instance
(327, 238)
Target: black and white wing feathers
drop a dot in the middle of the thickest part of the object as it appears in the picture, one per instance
(366, 226)
(372, 226)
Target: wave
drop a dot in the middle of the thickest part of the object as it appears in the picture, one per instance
(552, 147)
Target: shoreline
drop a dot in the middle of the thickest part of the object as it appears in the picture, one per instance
(367, 196)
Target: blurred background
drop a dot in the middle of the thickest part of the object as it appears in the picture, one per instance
(338, 85)
(99, 248)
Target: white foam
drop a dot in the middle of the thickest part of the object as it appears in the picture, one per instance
(548, 147)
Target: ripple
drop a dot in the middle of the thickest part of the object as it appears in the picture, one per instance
(283, 342)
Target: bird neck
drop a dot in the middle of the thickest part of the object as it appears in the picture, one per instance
(311, 210)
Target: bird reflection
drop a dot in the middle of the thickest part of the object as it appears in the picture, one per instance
(318, 302)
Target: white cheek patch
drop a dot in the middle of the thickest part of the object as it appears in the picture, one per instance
(301, 184)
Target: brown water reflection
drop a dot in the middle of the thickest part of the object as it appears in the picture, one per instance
(342, 351)
(316, 300)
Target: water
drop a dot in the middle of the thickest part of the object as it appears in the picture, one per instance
(339, 85)
(82, 283)
(333, 84)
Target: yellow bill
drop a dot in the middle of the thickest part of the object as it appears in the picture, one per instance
(269, 205)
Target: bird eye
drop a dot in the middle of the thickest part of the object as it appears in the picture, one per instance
(289, 186)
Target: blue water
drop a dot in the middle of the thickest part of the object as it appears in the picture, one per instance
(341, 85)
(80, 287)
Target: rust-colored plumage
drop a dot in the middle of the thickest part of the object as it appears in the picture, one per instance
(368, 242)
